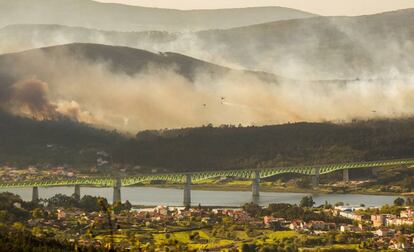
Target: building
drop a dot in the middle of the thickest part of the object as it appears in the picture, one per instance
(321, 225)
(162, 210)
(385, 232)
(400, 221)
(409, 213)
(275, 223)
(378, 220)
(297, 225)
(364, 227)
(61, 215)
(17, 205)
(400, 244)
(351, 215)
(349, 228)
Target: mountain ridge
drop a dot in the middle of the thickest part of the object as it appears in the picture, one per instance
(325, 47)
(91, 14)
(313, 48)
(132, 60)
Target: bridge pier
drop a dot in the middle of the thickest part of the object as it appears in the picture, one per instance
(345, 176)
(315, 179)
(187, 191)
(77, 194)
(35, 194)
(256, 184)
(117, 191)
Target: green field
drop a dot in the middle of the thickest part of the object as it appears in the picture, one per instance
(203, 239)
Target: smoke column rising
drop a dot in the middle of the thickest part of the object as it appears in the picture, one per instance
(160, 98)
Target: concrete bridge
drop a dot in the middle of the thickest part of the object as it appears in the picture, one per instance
(187, 178)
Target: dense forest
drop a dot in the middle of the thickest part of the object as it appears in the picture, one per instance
(230, 147)
(25, 141)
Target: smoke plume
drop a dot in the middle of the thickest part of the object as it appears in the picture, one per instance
(157, 98)
(31, 96)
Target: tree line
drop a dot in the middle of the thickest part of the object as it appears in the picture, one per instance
(26, 142)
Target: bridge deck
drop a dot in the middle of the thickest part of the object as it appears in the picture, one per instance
(197, 176)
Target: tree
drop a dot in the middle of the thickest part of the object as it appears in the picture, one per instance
(37, 232)
(307, 201)
(326, 205)
(7, 200)
(408, 183)
(399, 201)
(286, 211)
(304, 182)
(37, 213)
(3, 215)
(127, 205)
(252, 209)
(107, 209)
(248, 247)
(61, 200)
(18, 226)
(340, 203)
(90, 203)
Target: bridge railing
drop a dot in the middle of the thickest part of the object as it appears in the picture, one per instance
(266, 172)
(202, 175)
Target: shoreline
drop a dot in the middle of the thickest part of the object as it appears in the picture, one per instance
(265, 188)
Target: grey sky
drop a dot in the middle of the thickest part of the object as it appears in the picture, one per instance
(323, 7)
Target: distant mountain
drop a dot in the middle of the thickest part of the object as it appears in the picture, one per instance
(362, 47)
(23, 37)
(321, 47)
(119, 17)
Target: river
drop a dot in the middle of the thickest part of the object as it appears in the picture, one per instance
(152, 196)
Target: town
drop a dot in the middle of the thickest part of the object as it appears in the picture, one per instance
(222, 126)
(92, 224)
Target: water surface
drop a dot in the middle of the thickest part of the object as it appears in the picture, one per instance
(174, 197)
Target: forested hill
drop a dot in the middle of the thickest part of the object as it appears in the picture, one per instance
(25, 141)
(232, 147)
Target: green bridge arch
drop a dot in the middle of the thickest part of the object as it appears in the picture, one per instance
(314, 170)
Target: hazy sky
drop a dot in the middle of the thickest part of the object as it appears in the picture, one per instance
(323, 7)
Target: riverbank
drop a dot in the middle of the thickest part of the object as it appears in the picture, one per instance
(271, 188)
(154, 196)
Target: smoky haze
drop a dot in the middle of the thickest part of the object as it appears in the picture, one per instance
(321, 7)
(365, 47)
(158, 97)
(308, 69)
(116, 17)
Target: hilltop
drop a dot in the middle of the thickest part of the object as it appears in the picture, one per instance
(29, 36)
(119, 59)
